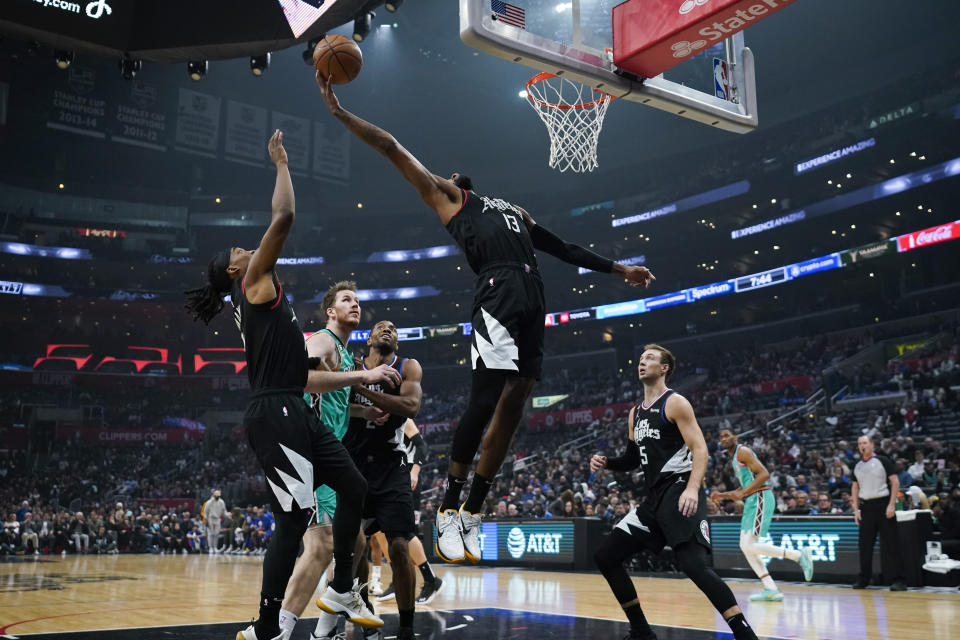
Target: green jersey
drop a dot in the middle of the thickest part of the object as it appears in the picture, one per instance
(333, 407)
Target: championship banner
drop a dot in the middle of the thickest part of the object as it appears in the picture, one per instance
(578, 416)
(121, 437)
(296, 140)
(140, 119)
(246, 133)
(198, 123)
(331, 153)
(76, 108)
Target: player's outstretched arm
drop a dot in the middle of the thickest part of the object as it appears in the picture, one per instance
(258, 281)
(578, 256)
(630, 459)
(440, 194)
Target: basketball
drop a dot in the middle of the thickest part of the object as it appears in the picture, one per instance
(338, 58)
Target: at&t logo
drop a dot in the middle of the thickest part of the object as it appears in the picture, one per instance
(516, 543)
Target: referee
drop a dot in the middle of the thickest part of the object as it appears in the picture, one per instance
(874, 497)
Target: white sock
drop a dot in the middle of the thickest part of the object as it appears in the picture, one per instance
(376, 573)
(326, 623)
(768, 583)
(287, 622)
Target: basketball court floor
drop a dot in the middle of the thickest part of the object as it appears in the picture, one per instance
(212, 597)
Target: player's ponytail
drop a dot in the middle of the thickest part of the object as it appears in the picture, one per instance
(205, 302)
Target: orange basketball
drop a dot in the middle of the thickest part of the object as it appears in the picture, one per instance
(338, 58)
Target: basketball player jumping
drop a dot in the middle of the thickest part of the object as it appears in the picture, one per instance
(498, 240)
(758, 507)
(667, 444)
(288, 440)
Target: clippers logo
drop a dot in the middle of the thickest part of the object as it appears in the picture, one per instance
(690, 5)
(705, 530)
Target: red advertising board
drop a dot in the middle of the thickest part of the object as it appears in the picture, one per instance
(577, 416)
(129, 437)
(926, 237)
(651, 36)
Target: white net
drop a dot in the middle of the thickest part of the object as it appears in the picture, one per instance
(573, 114)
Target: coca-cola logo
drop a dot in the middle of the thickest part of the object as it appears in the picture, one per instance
(937, 235)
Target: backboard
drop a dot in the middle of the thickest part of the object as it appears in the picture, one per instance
(574, 39)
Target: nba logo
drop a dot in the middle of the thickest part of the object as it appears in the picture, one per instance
(721, 83)
(285, 414)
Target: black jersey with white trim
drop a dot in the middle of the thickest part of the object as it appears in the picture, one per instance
(663, 454)
(273, 343)
(367, 440)
(491, 233)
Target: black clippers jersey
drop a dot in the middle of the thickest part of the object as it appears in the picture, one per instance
(274, 345)
(663, 453)
(491, 232)
(378, 442)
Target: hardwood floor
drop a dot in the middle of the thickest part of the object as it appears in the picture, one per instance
(86, 593)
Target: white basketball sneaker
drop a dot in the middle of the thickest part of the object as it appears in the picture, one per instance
(449, 538)
(350, 605)
(470, 525)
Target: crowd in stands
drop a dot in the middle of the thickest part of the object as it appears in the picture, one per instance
(68, 488)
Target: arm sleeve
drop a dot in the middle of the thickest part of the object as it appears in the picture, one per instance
(574, 254)
(419, 449)
(629, 461)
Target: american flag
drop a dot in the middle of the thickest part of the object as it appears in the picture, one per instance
(508, 13)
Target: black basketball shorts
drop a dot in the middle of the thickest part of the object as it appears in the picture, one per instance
(388, 506)
(657, 521)
(508, 321)
(297, 453)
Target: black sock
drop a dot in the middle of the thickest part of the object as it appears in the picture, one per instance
(427, 572)
(478, 493)
(638, 621)
(406, 618)
(365, 596)
(268, 624)
(451, 499)
(740, 628)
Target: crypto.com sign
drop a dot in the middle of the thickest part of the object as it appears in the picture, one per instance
(95, 10)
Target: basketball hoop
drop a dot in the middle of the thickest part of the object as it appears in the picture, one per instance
(573, 114)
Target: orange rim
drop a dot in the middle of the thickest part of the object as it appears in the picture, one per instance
(540, 77)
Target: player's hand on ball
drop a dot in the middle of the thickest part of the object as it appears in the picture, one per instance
(277, 153)
(688, 502)
(638, 276)
(383, 373)
(333, 103)
(598, 462)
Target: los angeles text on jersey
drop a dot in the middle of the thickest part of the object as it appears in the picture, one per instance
(498, 204)
(642, 430)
